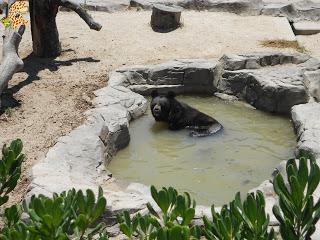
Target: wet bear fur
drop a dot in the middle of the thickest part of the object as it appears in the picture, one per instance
(179, 115)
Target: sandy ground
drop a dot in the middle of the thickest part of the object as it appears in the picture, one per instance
(311, 43)
(51, 93)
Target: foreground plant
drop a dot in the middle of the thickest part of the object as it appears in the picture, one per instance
(69, 215)
(172, 222)
(247, 220)
(298, 213)
(175, 208)
(10, 168)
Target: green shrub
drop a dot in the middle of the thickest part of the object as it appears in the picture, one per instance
(238, 220)
(172, 223)
(176, 232)
(299, 213)
(69, 215)
(175, 208)
(10, 168)
(145, 227)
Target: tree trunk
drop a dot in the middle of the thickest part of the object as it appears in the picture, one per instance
(11, 62)
(45, 35)
(165, 18)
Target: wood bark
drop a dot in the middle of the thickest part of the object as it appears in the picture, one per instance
(165, 18)
(45, 35)
(10, 62)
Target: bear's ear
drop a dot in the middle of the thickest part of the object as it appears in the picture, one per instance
(154, 93)
(171, 94)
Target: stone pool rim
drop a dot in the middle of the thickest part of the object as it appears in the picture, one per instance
(77, 159)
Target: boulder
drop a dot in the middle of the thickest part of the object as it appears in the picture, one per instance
(306, 28)
(272, 82)
(294, 11)
(181, 76)
(307, 124)
(312, 82)
(107, 5)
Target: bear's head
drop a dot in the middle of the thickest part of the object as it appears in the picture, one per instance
(161, 105)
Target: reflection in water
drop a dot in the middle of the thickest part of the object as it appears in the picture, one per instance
(213, 168)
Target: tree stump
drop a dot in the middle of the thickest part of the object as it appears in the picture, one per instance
(165, 18)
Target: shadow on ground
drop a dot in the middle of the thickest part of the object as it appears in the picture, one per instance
(32, 66)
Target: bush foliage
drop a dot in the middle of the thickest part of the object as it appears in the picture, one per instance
(10, 168)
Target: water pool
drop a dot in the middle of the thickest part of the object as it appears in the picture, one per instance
(213, 168)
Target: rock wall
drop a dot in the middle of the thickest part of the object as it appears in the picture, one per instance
(294, 11)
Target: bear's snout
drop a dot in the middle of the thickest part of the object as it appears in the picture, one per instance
(156, 109)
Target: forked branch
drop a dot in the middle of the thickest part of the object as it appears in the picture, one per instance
(81, 12)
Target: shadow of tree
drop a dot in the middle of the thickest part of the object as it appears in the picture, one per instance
(32, 66)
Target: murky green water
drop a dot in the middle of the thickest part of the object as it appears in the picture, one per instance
(213, 168)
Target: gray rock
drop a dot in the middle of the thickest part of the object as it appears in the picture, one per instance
(134, 103)
(312, 64)
(120, 201)
(71, 163)
(166, 74)
(141, 4)
(203, 211)
(257, 60)
(295, 11)
(312, 82)
(247, 7)
(306, 28)
(182, 76)
(114, 231)
(271, 82)
(199, 74)
(274, 89)
(147, 89)
(107, 5)
(226, 97)
(307, 124)
(117, 79)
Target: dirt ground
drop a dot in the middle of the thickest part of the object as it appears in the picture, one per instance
(48, 98)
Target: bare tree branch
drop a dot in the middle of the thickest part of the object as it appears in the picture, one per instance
(11, 62)
(82, 13)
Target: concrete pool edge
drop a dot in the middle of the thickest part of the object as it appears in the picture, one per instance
(77, 160)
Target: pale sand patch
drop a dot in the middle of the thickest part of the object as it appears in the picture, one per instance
(311, 43)
(51, 98)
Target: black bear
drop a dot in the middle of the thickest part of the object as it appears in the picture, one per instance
(166, 108)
